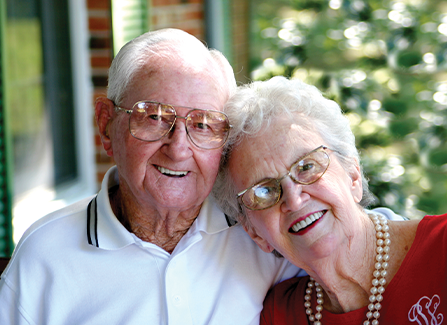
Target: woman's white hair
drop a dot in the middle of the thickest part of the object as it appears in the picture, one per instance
(150, 50)
(255, 106)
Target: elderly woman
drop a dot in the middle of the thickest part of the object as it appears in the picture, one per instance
(293, 179)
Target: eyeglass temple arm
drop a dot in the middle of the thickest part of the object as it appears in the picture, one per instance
(120, 109)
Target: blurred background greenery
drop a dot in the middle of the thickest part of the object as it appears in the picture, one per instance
(385, 63)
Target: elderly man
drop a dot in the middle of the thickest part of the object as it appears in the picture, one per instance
(152, 247)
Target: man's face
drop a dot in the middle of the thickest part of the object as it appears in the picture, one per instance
(149, 171)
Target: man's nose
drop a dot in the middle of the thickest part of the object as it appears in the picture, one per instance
(177, 145)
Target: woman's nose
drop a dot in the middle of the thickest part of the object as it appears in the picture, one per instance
(293, 196)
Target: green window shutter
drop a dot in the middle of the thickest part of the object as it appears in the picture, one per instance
(219, 26)
(228, 30)
(6, 242)
(130, 18)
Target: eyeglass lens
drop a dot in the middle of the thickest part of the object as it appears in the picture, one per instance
(305, 171)
(151, 121)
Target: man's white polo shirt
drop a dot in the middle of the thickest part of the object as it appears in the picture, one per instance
(79, 267)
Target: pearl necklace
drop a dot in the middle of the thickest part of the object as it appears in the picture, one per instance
(378, 283)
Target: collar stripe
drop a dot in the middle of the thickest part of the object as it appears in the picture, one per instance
(230, 222)
(92, 223)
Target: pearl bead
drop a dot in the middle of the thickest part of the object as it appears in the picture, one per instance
(375, 322)
(372, 298)
(318, 316)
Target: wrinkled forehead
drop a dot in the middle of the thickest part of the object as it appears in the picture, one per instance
(181, 69)
(271, 151)
(278, 129)
(185, 60)
(187, 56)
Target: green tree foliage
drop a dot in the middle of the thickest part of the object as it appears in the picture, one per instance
(385, 63)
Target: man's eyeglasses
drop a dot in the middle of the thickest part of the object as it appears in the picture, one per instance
(151, 121)
(307, 170)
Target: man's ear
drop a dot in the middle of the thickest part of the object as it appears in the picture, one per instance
(104, 111)
(356, 179)
(261, 242)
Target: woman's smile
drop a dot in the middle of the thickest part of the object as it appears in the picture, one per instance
(300, 227)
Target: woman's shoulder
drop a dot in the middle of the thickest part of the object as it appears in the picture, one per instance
(438, 221)
(433, 228)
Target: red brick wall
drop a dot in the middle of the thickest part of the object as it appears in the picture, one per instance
(99, 19)
(184, 14)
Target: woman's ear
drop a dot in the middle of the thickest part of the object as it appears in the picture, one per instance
(356, 179)
(261, 242)
(104, 111)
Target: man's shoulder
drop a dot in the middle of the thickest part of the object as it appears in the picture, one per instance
(51, 223)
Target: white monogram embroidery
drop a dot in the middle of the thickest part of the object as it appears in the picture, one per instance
(423, 312)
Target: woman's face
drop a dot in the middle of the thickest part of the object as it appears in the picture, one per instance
(333, 198)
(171, 173)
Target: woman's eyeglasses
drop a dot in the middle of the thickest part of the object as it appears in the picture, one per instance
(307, 170)
(151, 121)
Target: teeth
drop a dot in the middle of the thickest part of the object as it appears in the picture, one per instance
(304, 223)
(171, 172)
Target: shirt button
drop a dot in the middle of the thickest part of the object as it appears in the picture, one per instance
(177, 300)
